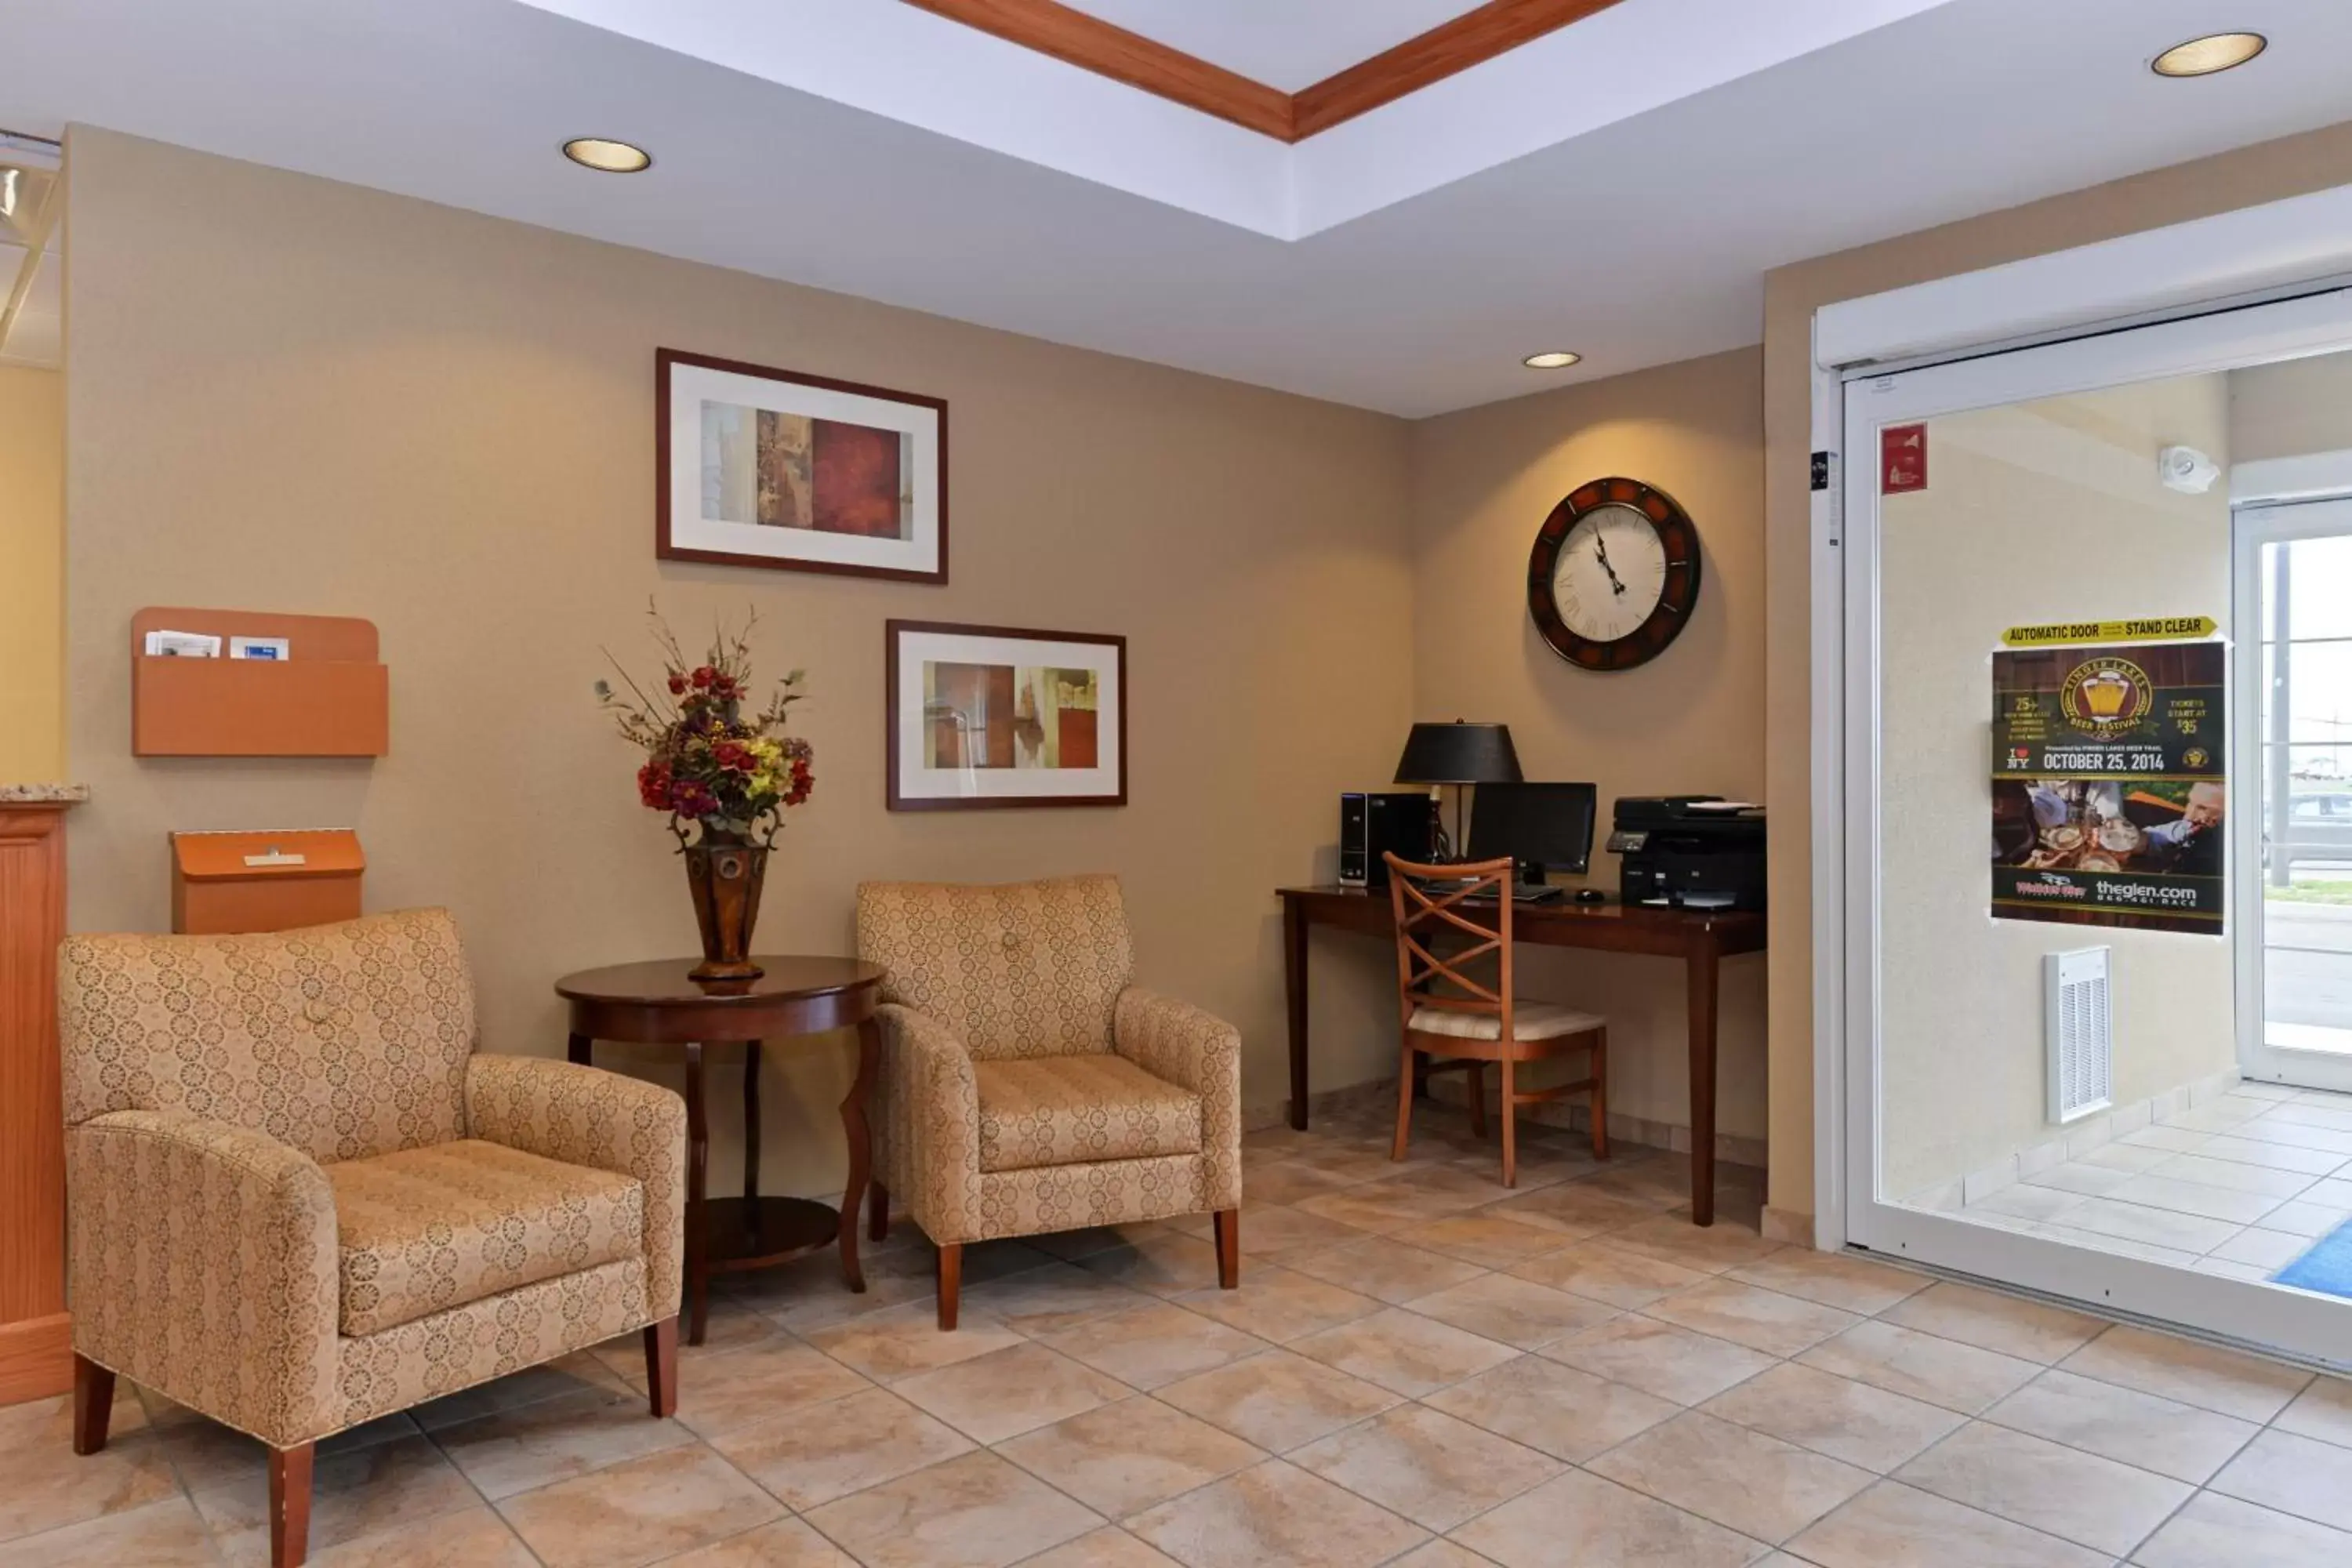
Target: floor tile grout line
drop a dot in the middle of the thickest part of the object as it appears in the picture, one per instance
(497, 1512)
(1779, 1361)
(1516, 1352)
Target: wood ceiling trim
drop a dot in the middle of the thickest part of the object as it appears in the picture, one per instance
(1472, 38)
(1097, 45)
(1092, 44)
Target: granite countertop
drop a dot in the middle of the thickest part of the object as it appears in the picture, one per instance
(43, 794)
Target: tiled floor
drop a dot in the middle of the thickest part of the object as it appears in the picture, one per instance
(2241, 1186)
(1420, 1369)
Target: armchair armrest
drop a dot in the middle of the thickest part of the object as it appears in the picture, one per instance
(204, 1266)
(928, 1122)
(1194, 1048)
(585, 1116)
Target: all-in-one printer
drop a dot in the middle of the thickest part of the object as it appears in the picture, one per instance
(1696, 851)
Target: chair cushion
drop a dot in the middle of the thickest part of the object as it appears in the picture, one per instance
(1529, 1021)
(430, 1228)
(1063, 1110)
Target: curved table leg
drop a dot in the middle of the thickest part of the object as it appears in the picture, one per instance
(860, 1136)
(698, 1160)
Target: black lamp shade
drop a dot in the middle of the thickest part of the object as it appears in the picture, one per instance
(1458, 754)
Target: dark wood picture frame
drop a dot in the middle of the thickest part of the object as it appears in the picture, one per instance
(664, 547)
(892, 633)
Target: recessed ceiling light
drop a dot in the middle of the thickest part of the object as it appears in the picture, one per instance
(2215, 52)
(1551, 359)
(607, 157)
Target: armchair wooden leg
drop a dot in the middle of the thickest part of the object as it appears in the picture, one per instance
(661, 1367)
(289, 1506)
(877, 1213)
(93, 1404)
(1228, 1223)
(951, 1284)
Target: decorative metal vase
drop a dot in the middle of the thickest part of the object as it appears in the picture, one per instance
(725, 878)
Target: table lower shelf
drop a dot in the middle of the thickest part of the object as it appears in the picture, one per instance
(755, 1232)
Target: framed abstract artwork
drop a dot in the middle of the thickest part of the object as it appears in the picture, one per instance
(758, 466)
(994, 716)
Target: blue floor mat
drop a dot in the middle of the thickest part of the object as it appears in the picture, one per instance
(2326, 1267)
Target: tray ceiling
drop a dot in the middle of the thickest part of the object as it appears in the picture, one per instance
(1618, 188)
(1286, 44)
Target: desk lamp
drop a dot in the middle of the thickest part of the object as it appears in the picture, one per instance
(1460, 754)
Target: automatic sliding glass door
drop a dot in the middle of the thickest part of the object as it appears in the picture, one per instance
(2088, 877)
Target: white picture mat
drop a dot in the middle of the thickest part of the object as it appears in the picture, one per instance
(917, 782)
(692, 386)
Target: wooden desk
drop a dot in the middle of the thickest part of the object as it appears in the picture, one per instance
(656, 1005)
(1700, 938)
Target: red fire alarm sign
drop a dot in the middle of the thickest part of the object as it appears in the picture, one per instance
(1902, 459)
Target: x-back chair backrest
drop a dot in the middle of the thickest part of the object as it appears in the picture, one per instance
(1449, 920)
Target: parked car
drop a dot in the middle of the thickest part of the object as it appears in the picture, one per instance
(2318, 829)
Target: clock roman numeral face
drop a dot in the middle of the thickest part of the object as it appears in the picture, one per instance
(1611, 574)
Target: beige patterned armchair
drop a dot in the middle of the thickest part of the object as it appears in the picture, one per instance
(1028, 1086)
(298, 1200)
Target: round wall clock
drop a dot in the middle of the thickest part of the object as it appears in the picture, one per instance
(1613, 576)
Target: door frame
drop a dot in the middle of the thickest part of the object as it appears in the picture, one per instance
(2317, 322)
(2252, 524)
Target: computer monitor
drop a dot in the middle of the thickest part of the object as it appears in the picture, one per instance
(1541, 826)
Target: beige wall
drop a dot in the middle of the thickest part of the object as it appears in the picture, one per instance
(32, 613)
(1691, 722)
(2040, 511)
(294, 394)
(437, 419)
(2291, 410)
(2289, 166)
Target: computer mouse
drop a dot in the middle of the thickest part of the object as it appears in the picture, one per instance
(1590, 896)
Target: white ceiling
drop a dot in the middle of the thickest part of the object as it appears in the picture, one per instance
(935, 74)
(1619, 188)
(1287, 44)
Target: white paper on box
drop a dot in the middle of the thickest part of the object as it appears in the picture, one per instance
(182, 645)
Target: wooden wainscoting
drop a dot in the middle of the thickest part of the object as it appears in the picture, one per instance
(36, 1346)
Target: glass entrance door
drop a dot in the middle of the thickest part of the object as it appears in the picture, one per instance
(2294, 759)
(2097, 733)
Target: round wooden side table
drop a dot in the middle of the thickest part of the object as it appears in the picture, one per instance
(655, 1004)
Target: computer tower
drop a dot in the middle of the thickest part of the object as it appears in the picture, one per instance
(1371, 826)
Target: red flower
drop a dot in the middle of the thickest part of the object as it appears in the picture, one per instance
(724, 686)
(677, 684)
(653, 785)
(702, 676)
(802, 781)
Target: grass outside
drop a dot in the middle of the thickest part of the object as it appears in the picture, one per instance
(2310, 893)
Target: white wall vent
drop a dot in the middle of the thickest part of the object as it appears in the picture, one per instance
(2078, 1030)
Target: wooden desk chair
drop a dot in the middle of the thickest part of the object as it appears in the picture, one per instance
(1451, 1012)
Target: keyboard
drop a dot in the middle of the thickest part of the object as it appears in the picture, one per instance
(1534, 893)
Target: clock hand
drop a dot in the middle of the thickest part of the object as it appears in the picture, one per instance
(1602, 545)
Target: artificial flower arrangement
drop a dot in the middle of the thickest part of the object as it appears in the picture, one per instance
(732, 774)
